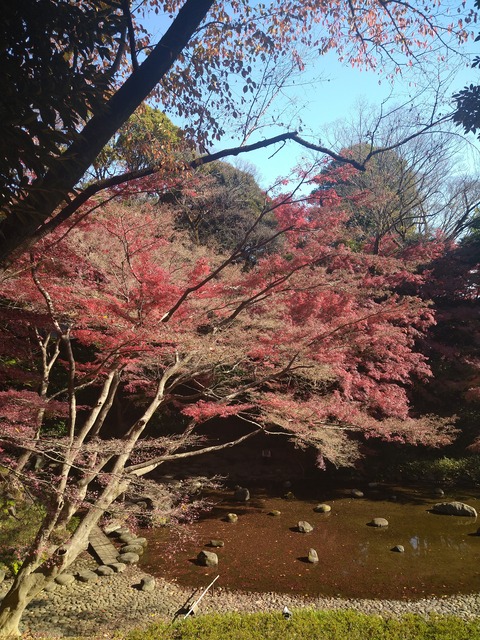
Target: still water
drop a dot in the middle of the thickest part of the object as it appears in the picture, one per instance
(266, 553)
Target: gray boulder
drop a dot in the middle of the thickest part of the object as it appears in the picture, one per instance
(2, 575)
(241, 494)
(399, 548)
(304, 526)
(118, 567)
(217, 543)
(378, 522)
(112, 528)
(312, 556)
(105, 570)
(126, 538)
(128, 558)
(455, 509)
(207, 559)
(356, 493)
(232, 517)
(64, 579)
(87, 576)
(142, 541)
(132, 548)
(275, 513)
(147, 583)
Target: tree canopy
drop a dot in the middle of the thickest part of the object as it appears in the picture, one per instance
(207, 48)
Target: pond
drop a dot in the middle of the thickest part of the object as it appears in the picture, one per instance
(265, 553)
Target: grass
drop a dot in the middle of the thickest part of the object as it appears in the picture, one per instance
(312, 625)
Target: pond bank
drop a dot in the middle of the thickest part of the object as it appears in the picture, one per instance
(113, 603)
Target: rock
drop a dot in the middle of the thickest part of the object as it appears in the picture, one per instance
(118, 567)
(304, 526)
(128, 558)
(121, 531)
(126, 538)
(112, 528)
(438, 492)
(2, 575)
(356, 493)
(399, 548)
(275, 513)
(312, 556)
(132, 548)
(454, 509)
(232, 517)
(378, 522)
(289, 496)
(105, 570)
(87, 576)
(207, 559)
(51, 586)
(323, 508)
(217, 543)
(142, 541)
(65, 578)
(147, 583)
(241, 494)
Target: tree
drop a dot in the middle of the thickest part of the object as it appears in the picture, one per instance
(467, 113)
(207, 46)
(312, 343)
(384, 199)
(221, 206)
(147, 140)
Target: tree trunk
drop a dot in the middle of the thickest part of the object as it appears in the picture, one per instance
(49, 192)
(24, 589)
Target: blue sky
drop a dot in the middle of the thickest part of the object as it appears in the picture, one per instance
(335, 96)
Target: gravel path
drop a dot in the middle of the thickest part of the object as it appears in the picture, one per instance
(98, 609)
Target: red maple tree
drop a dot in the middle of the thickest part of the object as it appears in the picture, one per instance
(313, 340)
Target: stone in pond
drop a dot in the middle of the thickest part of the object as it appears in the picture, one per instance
(275, 513)
(323, 508)
(399, 548)
(207, 559)
(304, 526)
(217, 543)
(241, 494)
(454, 509)
(232, 517)
(378, 522)
(356, 493)
(312, 556)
